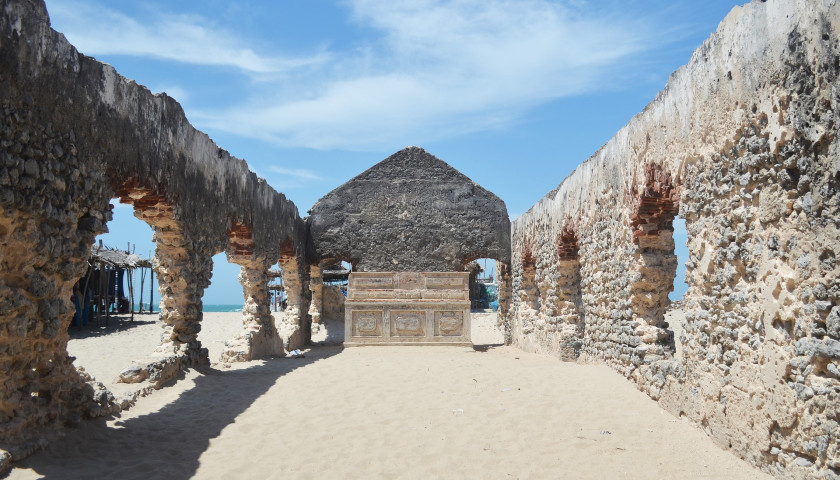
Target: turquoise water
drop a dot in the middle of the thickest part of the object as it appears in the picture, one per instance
(223, 308)
(207, 308)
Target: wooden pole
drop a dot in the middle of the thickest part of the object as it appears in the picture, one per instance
(131, 291)
(84, 303)
(130, 285)
(99, 300)
(142, 278)
(108, 295)
(151, 289)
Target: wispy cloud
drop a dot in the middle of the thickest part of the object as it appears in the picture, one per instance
(181, 38)
(297, 173)
(433, 69)
(440, 69)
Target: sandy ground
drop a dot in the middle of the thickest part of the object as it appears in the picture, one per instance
(380, 412)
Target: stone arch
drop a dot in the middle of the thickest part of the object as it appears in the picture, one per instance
(183, 272)
(316, 286)
(502, 270)
(259, 337)
(651, 221)
(568, 303)
(295, 327)
(326, 306)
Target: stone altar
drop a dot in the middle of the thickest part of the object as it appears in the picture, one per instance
(398, 308)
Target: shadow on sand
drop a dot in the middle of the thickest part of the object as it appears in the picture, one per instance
(116, 323)
(168, 442)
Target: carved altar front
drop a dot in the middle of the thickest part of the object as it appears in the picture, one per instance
(414, 308)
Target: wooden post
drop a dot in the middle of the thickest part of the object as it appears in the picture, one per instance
(84, 301)
(151, 289)
(108, 294)
(130, 284)
(142, 278)
(131, 291)
(99, 300)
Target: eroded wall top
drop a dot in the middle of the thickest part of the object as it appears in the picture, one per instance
(410, 212)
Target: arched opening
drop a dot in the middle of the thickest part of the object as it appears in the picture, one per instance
(251, 327)
(223, 295)
(652, 222)
(675, 315)
(115, 298)
(485, 325)
(182, 271)
(328, 284)
(276, 289)
(484, 289)
(222, 306)
(681, 251)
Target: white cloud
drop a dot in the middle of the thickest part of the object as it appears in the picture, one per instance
(440, 69)
(435, 68)
(297, 173)
(180, 38)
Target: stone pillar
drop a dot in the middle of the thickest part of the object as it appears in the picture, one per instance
(292, 324)
(260, 337)
(182, 275)
(504, 278)
(316, 286)
(40, 389)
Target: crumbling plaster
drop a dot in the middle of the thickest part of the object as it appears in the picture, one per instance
(742, 143)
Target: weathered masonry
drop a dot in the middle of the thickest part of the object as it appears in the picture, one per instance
(74, 134)
(742, 144)
(417, 223)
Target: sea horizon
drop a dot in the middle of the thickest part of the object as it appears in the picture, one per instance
(233, 307)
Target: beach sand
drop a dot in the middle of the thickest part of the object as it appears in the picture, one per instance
(378, 412)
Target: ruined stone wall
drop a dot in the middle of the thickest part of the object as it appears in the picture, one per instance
(741, 144)
(73, 135)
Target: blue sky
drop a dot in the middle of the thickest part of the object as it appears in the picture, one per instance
(513, 93)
